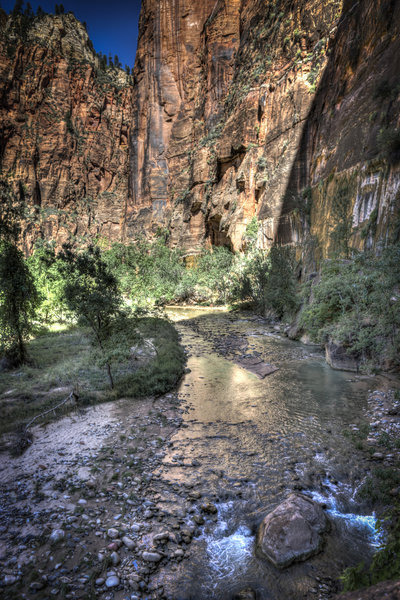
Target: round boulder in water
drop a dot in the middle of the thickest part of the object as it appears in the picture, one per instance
(293, 531)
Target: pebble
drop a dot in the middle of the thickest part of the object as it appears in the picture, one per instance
(112, 533)
(112, 581)
(130, 544)
(151, 556)
(115, 559)
(57, 535)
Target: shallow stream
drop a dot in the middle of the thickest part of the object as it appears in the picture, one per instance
(246, 443)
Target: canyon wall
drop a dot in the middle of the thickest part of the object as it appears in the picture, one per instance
(64, 129)
(284, 110)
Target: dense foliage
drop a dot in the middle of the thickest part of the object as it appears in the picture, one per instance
(18, 300)
(267, 281)
(356, 303)
(18, 295)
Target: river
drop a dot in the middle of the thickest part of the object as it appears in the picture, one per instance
(247, 443)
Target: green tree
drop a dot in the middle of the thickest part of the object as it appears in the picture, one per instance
(17, 10)
(45, 268)
(18, 295)
(18, 302)
(92, 294)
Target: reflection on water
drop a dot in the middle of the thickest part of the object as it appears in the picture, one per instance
(253, 441)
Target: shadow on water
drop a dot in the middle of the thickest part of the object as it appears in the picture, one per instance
(248, 442)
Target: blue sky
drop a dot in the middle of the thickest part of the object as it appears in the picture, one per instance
(112, 25)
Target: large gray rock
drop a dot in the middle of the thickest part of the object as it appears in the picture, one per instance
(293, 531)
(337, 358)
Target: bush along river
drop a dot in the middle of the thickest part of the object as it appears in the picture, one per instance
(164, 498)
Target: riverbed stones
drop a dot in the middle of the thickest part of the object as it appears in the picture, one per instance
(292, 532)
(128, 542)
(112, 533)
(57, 536)
(112, 581)
(151, 557)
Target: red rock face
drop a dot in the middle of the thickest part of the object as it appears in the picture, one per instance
(236, 109)
(250, 108)
(65, 130)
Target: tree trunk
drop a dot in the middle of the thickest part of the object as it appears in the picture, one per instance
(110, 377)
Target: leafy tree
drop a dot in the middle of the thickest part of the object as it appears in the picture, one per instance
(92, 294)
(18, 302)
(212, 274)
(267, 280)
(18, 295)
(46, 269)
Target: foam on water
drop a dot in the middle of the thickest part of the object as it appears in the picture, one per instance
(231, 554)
(366, 522)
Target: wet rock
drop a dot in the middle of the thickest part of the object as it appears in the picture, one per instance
(209, 507)
(383, 591)
(337, 357)
(198, 519)
(293, 531)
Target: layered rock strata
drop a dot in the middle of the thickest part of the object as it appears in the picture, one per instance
(64, 129)
(268, 109)
(287, 111)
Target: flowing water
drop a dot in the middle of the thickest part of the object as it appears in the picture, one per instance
(247, 443)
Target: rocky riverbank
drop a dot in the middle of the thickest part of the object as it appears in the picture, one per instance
(111, 503)
(83, 511)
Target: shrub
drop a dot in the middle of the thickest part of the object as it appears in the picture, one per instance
(355, 303)
(268, 281)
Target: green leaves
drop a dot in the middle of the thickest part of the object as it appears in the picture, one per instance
(18, 301)
(357, 303)
(92, 294)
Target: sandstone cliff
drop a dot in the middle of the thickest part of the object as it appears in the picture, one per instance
(272, 109)
(287, 110)
(64, 128)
